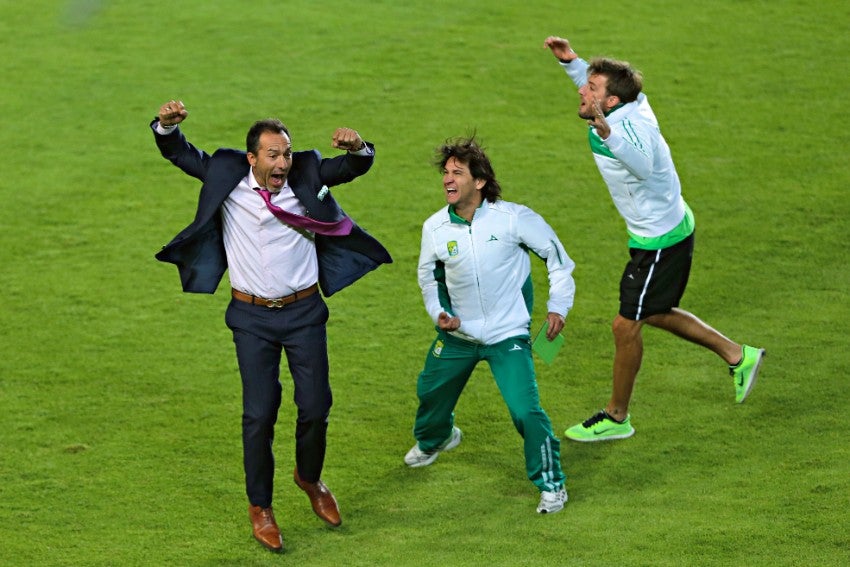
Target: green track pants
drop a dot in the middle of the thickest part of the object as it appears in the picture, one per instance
(448, 366)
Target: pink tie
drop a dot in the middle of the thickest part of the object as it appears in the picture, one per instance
(337, 228)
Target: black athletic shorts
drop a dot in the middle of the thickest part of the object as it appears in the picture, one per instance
(655, 280)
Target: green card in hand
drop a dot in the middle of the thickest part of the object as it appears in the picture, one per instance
(544, 348)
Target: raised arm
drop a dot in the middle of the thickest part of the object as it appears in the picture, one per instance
(560, 48)
(344, 168)
(173, 145)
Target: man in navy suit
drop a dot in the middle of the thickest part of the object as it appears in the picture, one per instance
(275, 268)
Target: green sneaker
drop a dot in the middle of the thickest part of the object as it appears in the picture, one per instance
(600, 427)
(745, 373)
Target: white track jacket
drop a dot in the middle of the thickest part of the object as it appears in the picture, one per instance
(480, 272)
(636, 164)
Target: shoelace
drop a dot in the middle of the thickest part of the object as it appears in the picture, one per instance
(594, 419)
(267, 516)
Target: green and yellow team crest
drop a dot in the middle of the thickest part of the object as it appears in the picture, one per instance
(438, 348)
(452, 246)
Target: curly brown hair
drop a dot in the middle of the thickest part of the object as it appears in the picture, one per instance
(469, 152)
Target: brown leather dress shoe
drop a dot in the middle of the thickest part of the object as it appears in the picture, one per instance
(265, 528)
(322, 499)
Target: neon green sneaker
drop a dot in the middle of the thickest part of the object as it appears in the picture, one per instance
(600, 427)
(745, 373)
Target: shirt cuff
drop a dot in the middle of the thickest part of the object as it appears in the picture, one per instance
(364, 151)
(165, 130)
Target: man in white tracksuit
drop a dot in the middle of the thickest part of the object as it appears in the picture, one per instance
(475, 276)
(635, 163)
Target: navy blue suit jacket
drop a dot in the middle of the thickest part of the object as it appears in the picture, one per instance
(198, 250)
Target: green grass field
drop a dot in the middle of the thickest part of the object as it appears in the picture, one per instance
(119, 395)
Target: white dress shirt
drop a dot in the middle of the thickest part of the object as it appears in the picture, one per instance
(265, 256)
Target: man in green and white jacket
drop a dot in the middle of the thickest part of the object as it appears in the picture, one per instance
(635, 163)
(475, 276)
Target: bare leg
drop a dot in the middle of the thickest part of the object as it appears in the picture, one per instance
(628, 343)
(689, 327)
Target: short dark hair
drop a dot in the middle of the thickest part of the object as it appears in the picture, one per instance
(252, 141)
(624, 81)
(470, 153)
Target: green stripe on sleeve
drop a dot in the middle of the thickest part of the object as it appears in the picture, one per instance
(597, 146)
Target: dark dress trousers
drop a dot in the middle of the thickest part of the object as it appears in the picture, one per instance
(260, 333)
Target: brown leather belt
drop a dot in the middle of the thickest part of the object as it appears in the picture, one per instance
(274, 303)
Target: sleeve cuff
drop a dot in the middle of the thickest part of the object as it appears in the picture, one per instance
(366, 150)
(165, 130)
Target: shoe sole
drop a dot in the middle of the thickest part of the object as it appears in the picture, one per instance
(599, 439)
(755, 373)
(552, 511)
(425, 463)
(269, 547)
